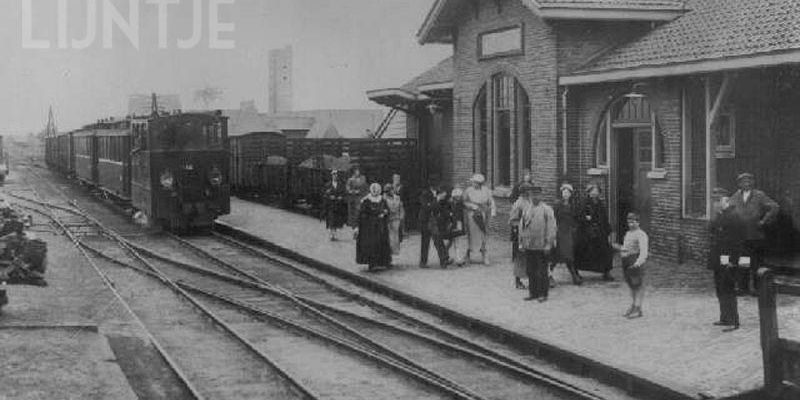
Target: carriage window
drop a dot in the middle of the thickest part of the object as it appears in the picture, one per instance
(214, 133)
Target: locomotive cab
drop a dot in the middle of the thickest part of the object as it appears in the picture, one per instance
(179, 170)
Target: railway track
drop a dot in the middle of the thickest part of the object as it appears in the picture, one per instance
(211, 360)
(312, 350)
(311, 325)
(288, 290)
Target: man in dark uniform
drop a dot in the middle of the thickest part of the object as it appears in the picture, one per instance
(527, 179)
(754, 209)
(427, 198)
(726, 247)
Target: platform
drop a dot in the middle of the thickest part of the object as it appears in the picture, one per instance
(56, 341)
(674, 345)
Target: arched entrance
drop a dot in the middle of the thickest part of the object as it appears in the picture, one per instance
(630, 146)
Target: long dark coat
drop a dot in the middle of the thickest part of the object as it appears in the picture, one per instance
(372, 245)
(567, 223)
(335, 206)
(593, 252)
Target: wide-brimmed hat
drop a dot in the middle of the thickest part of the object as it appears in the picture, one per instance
(745, 175)
(478, 178)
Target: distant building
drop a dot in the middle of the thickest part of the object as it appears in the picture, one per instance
(312, 124)
(280, 80)
(142, 104)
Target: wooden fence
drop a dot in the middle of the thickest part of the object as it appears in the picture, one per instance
(781, 356)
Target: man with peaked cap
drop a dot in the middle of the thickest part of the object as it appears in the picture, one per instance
(537, 235)
(723, 258)
(754, 209)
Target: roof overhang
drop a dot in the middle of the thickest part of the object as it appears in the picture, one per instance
(395, 97)
(439, 23)
(436, 87)
(689, 68)
(432, 29)
(608, 14)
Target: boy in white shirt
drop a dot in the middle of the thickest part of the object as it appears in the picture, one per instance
(634, 251)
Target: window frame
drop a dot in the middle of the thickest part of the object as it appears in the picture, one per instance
(520, 125)
(726, 151)
(508, 53)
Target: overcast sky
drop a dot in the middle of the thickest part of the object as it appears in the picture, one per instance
(341, 49)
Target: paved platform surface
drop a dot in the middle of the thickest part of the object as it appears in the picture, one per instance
(54, 340)
(674, 344)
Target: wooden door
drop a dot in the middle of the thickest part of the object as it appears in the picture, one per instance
(643, 163)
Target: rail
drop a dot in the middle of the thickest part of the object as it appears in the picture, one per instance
(781, 356)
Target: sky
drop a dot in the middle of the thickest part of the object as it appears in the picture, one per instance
(342, 48)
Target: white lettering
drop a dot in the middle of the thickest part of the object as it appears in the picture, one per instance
(91, 27)
(62, 24)
(28, 42)
(130, 28)
(215, 26)
(162, 20)
(197, 32)
(128, 24)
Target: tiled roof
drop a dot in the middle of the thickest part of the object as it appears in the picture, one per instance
(441, 73)
(712, 30)
(614, 4)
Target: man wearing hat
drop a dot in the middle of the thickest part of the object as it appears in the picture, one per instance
(754, 209)
(537, 235)
(427, 198)
(723, 258)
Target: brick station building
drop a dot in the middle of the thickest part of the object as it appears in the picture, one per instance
(658, 101)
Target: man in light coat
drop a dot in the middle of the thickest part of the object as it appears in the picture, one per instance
(537, 236)
(754, 209)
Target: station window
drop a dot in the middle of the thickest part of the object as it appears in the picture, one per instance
(502, 131)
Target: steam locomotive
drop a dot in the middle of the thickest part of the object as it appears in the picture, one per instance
(171, 168)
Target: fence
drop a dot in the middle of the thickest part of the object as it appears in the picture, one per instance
(781, 356)
(301, 187)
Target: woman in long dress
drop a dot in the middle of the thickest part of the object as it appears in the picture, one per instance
(479, 206)
(458, 235)
(372, 234)
(594, 252)
(334, 205)
(356, 190)
(566, 219)
(396, 215)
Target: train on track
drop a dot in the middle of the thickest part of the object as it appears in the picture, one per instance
(292, 172)
(172, 169)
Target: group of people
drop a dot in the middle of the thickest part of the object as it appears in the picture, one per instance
(575, 234)
(572, 232)
(374, 212)
(737, 244)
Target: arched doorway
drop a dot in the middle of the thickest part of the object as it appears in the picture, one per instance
(630, 146)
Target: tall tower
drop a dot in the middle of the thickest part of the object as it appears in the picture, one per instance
(280, 80)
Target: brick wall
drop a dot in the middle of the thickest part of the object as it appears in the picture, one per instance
(535, 70)
(673, 238)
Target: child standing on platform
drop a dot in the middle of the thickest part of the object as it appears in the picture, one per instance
(634, 251)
